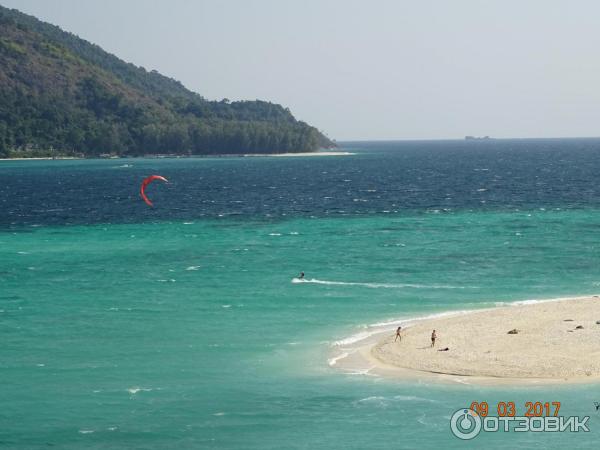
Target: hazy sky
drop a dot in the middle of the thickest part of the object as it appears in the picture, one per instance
(368, 69)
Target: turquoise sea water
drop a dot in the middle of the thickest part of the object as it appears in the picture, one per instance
(179, 327)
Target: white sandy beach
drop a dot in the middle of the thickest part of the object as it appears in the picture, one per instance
(548, 346)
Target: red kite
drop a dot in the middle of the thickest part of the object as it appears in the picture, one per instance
(146, 182)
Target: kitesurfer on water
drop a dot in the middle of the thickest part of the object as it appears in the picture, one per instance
(301, 277)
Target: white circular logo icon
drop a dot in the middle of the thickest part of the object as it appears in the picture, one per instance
(465, 424)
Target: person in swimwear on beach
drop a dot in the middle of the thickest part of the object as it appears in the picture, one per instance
(398, 335)
(433, 337)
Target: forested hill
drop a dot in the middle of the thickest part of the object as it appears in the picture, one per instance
(61, 95)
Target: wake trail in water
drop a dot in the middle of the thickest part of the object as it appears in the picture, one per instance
(375, 285)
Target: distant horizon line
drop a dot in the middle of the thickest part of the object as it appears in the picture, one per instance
(490, 138)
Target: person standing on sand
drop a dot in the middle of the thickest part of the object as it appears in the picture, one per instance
(433, 337)
(398, 335)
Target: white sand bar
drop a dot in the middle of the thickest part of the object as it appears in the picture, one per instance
(549, 346)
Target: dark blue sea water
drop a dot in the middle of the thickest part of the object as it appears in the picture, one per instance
(383, 178)
(124, 326)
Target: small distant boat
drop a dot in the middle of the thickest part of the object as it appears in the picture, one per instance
(477, 138)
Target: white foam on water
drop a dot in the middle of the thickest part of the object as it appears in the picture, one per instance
(374, 398)
(410, 320)
(135, 390)
(225, 306)
(355, 338)
(86, 431)
(525, 302)
(23, 253)
(333, 361)
(414, 398)
(361, 372)
(188, 223)
(377, 285)
(421, 420)
(274, 234)
(219, 414)
(192, 268)
(535, 301)
(389, 323)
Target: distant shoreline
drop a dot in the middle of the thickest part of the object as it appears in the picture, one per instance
(40, 158)
(557, 341)
(225, 155)
(291, 155)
